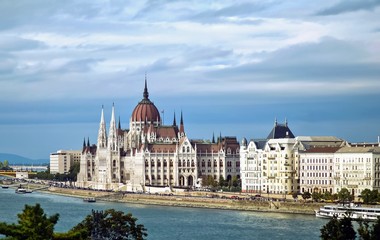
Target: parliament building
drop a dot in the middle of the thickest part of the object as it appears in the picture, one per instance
(150, 154)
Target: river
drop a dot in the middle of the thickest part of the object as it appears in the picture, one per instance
(171, 222)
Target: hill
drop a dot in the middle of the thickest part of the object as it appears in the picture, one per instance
(14, 159)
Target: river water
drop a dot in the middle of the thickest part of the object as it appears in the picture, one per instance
(171, 222)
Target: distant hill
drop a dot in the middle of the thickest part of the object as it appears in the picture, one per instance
(14, 159)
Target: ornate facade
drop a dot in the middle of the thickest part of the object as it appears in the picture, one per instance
(152, 154)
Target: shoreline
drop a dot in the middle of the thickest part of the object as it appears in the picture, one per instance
(191, 201)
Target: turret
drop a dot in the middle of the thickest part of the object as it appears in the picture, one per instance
(102, 134)
(112, 137)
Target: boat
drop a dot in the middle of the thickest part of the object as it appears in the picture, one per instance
(89, 199)
(4, 186)
(355, 212)
(20, 190)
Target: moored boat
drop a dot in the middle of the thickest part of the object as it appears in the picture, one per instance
(355, 212)
(4, 186)
(20, 190)
(89, 199)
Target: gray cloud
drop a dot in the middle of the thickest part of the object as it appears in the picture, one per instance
(345, 6)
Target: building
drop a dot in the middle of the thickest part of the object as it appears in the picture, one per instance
(270, 165)
(152, 154)
(357, 168)
(62, 160)
(283, 163)
(317, 169)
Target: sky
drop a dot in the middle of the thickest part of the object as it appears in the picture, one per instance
(231, 67)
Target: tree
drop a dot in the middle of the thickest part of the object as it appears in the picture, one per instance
(33, 224)
(221, 182)
(110, 224)
(338, 229)
(306, 195)
(366, 196)
(344, 195)
(316, 196)
(295, 195)
(367, 232)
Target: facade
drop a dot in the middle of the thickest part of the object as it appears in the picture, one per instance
(270, 165)
(357, 168)
(152, 154)
(317, 169)
(62, 160)
(283, 163)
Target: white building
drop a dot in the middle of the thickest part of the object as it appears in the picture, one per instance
(317, 169)
(62, 160)
(274, 164)
(357, 168)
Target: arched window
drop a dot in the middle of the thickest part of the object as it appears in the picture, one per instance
(171, 163)
(152, 163)
(179, 163)
(165, 163)
(203, 163)
(114, 163)
(158, 163)
(188, 149)
(221, 163)
(209, 163)
(146, 163)
(192, 163)
(188, 163)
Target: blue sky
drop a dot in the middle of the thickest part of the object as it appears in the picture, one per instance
(230, 66)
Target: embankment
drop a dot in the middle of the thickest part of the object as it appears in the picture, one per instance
(193, 201)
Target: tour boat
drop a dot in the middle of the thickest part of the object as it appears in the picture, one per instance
(353, 211)
(89, 199)
(4, 186)
(20, 190)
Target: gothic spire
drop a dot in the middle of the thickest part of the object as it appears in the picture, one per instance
(174, 121)
(213, 138)
(112, 137)
(119, 125)
(146, 94)
(181, 126)
(88, 142)
(102, 134)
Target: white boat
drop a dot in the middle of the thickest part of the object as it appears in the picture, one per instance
(89, 199)
(353, 211)
(20, 190)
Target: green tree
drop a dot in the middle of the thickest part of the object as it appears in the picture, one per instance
(344, 195)
(366, 195)
(327, 196)
(295, 195)
(338, 229)
(110, 224)
(221, 182)
(316, 196)
(33, 224)
(306, 195)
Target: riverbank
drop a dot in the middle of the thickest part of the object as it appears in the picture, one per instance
(193, 200)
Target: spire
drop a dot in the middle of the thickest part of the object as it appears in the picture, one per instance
(102, 134)
(84, 142)
(174, 121)
(181, 126)
(213, 138)
(146, 94)
(275, 121)
(286, 122)
(112, 137)
(119, 125)
(88, 142)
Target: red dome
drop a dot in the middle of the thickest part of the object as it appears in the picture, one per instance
(145, 110)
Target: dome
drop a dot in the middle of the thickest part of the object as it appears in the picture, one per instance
(145, 110)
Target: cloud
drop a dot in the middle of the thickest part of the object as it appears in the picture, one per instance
(345, 6)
